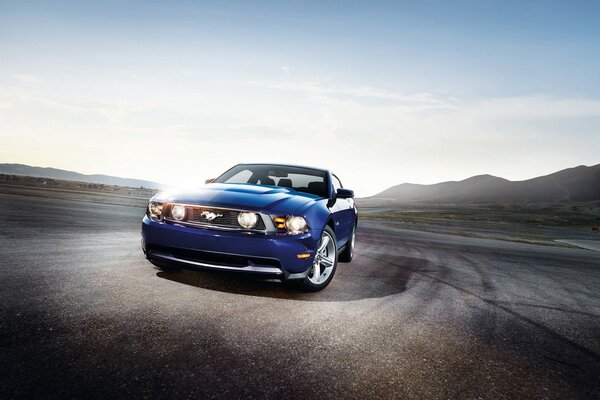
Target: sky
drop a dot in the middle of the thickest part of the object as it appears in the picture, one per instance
(381, 93)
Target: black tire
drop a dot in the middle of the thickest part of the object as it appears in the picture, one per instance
(330, 254)
(348, 253)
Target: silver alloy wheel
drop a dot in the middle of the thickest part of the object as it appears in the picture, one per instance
(324, 260)
(353, 240)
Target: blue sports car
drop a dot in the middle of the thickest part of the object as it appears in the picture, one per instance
(289, 222)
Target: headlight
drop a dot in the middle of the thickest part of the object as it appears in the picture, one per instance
(155, 209)
(178, 212)
(247, 220)
(295, 225)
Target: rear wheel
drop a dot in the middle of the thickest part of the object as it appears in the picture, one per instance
(324, 264)
(348, 253)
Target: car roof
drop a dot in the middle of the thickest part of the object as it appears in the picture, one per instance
(285, 165)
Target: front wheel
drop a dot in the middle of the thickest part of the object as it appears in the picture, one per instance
(324, 264)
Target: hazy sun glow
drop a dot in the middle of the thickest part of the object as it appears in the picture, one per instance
(381, 93)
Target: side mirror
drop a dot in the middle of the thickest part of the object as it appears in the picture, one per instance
(344, 194)
(209, 180)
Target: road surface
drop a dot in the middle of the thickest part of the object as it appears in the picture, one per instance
(415, 315)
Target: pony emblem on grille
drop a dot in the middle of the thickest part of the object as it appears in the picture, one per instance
(210, 215)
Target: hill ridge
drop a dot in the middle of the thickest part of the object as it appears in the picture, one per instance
(576, 184)
(62, 174)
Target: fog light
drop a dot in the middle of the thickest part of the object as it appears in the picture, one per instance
(247, 220)
(178, 212)
(279, 222)
(155, 209)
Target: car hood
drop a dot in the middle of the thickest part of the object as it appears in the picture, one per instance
(269, 199)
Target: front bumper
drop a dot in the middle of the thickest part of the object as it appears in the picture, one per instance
(273, 255)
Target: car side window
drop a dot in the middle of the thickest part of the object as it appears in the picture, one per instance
(336, 183)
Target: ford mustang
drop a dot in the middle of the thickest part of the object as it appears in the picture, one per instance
(280, 221)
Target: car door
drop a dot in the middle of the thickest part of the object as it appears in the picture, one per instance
(344, 210)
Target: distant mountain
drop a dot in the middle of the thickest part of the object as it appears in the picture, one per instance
(574, 184)
(26, 170)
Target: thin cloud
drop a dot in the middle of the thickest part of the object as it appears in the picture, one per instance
(28, 79)
(314, 88)
(412, 135)
(111, 110)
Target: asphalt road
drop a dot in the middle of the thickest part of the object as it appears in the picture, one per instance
(415, 315)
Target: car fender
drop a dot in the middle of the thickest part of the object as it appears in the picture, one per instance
(318, 216)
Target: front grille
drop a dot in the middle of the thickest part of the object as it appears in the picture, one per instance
(224, 259)
(232, 260)
(209, 216)
(204, 215)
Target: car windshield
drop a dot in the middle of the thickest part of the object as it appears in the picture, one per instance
(306, 180)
